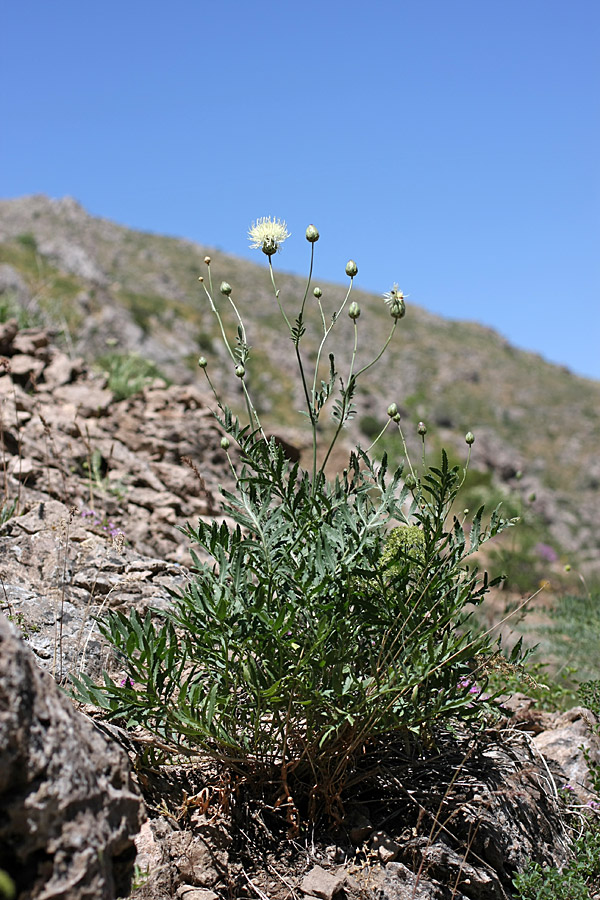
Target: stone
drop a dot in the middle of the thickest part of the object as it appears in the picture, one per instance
(70, 810)
(26, 368)
(397, 882)
(323, 884)
(89, 400)
(8, 330)
(23, 469)
(563, 742)
(189, 892)
(59, 371)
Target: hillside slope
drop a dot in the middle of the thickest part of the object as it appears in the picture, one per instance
(105, 287)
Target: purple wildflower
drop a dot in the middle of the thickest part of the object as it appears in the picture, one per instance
(546, 552)
(467, 683)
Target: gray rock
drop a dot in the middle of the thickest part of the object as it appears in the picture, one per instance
(563, 744)
(323, 884)
(69, 808)
(397, 882)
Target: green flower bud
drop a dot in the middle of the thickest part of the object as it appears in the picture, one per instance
(203, 362)
(470, 438)
(318, 293)
(240, 371)
(392, 410)
(397, 308)
(422, 429)
(225, 288)
(410, 481)
(312, 234)
(351, 268)
(396, 418)
(531, 497)
(568, 567)
(225, 443)
(354, 311)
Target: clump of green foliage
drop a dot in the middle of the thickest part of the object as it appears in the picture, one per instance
(128, 373)
(576, 881)
(324, 614)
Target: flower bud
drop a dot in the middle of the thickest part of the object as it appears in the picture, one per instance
(225, 443)
(354, 311)
(318, 293)
(410, 481)
(392, 410)
(470, 438)
(422, 429)
(240, 371)
(207, 260)
(568, 567)
(203, 362)
(200, 278)
(396, 418)
(225, 288)
(397, 308)
(351, 268)
(312, 234)
(531, 497)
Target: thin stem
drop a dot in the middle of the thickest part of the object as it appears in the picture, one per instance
(345, 398)
(406, 454)
(327, 331)
(241, 324)
(244, 353)
(281, 309)
(380, 435)
(466, 467)
(220, 321)
(381, 352)
(310, 271)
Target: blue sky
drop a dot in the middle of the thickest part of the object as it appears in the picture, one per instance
(453, 147)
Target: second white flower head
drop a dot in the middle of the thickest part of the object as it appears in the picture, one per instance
(267, 234)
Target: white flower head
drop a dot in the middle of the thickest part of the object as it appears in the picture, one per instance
(393, 295)
(395, 302)
(268, 234)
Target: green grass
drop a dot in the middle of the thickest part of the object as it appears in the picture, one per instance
(53, 289)
(128, 373)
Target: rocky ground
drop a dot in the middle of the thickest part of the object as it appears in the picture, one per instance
(94, 492)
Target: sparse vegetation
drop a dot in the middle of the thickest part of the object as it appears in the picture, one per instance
(128, 373)
(335, 611)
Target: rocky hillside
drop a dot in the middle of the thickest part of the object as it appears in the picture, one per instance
(106, 289)
(94, 489)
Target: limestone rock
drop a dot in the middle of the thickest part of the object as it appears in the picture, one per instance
(562, 742)
(323, 884)
(70, 811)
